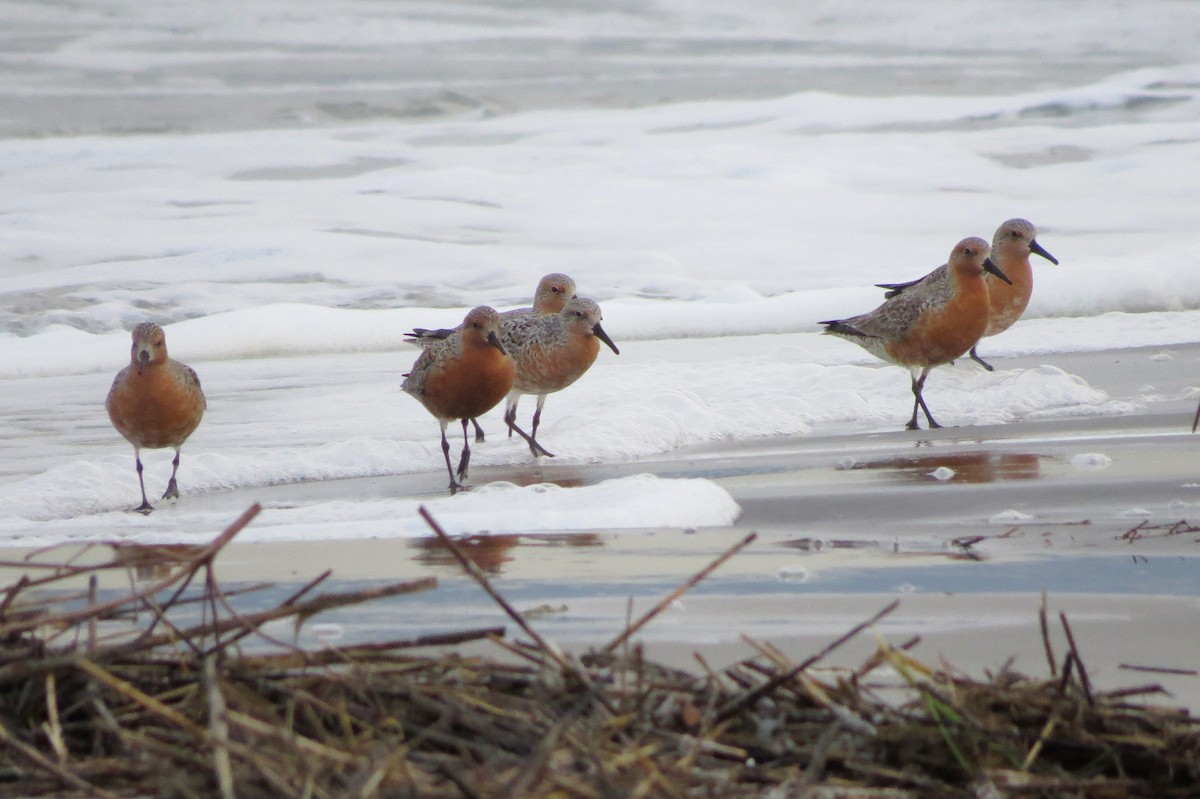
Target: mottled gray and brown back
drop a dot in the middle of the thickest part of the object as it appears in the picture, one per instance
(551, 295)
(434, 352)
(552, 351)
(895, 317)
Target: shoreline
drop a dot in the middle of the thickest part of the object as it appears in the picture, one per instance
(845, 524)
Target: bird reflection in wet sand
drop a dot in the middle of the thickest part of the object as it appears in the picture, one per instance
(967, 467)
(491, 552)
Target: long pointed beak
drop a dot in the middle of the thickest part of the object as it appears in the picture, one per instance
(1037, 248)
(600, 334)
(990, 266)
(494, 340)
(143, 360)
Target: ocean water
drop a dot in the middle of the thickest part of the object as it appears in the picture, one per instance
(289, 187)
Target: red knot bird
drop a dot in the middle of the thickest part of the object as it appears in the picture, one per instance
(155, 402)
(1014, 241)
(552, 351)
(929, 323)
(462, 376)
(551, 294)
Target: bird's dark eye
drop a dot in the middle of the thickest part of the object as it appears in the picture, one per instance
(555, 289)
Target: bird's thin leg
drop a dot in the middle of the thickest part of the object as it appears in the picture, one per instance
(975, 357)
(917, 387)
(145, 507)
(534, 447)
(531, 439)
(454, 486)
(478, 430)
(537, 414)
(465, 459)
(510, 413)
(172, 491)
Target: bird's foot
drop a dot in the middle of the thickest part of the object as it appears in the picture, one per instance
(538, 450)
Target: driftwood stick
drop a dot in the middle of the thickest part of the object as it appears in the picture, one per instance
(94, 611)
(1159, 670)
(1083, 676)
(477, 574)
(381, 651)
(309, 608)
(543, 645)
(678, 592)
(218, 729)
(1045, 624)
(749, 698)
(133, 694)
(49, 766)
(310, 585)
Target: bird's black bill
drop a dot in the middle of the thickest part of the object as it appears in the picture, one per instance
(1034, 247)
(600, 334)
(990, 266)
(494, 340)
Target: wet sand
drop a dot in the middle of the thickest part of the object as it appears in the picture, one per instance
(1086, 510)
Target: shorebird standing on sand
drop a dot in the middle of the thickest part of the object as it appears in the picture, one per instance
(929, 323)
(552, 352)
(551, 294)
(1011, 247)
(462, 376)
(155, 402)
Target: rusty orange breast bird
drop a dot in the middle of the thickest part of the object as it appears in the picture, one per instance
(552, 293)
(551, 351)
(462, 376)
(931, 322)
(1014, 241)
(155, 402)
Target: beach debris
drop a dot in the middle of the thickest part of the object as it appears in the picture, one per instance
(170, 687)
(1010, 517)
(943, 473)
(792, 572)
(1091, 461)
(1144, 529)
